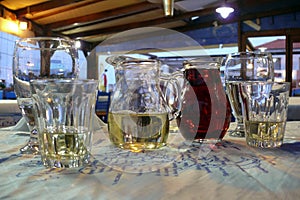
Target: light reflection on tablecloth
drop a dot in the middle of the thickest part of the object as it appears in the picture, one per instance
(229, 170)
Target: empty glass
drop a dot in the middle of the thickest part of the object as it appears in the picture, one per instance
(240, 67)
(40, 58)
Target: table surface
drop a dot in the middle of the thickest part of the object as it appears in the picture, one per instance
(230, 170)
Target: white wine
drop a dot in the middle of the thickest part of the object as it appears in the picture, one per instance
(138, 131)
(264, 134)
(65, 149)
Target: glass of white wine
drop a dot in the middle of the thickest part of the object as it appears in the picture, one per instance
(40, 58)
(241, 67)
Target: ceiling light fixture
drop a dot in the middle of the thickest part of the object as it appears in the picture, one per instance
(77, 44)
(168, 7)
(224, 11)
(23, 25)
(194, 18)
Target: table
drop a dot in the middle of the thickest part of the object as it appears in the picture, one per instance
(10, 113)
(231, 170)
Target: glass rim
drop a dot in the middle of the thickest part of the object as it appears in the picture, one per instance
(141, 63)
(263, 81)
(206, 62)
(66, 81)
(273, 83)
(23, 43)
(248, 54)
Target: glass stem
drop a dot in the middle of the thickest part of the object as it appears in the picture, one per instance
(32, 146)
(240, 126)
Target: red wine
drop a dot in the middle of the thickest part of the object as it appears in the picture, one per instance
(206, 112)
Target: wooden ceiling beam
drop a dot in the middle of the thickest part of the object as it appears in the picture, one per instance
(103, 16)
(143, 23)
(45, 6)
(235, 18)
(245, 10)
(192, 26)
(270, 13)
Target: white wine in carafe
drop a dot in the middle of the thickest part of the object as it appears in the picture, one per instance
(138, 131)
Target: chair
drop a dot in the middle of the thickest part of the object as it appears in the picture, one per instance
(296, 92)
(10, 95)
(102, 105)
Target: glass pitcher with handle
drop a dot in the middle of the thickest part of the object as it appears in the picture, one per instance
(140, 112)
(205, 111)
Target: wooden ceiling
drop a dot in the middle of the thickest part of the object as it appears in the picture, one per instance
(92, 21)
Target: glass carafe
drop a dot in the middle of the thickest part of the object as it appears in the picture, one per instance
(205, 114)
(139, 112)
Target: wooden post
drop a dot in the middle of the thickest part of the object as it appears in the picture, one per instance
(289, 60)
(45, 59)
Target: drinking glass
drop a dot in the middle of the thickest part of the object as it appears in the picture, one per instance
(265, 108)
(40, 58)
(65, 110)
(240, 67)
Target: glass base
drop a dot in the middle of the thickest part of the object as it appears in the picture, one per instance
(65, 161)
(140, 147)
(198, 142)
(32, 147)
(264, 144)
(237, 133)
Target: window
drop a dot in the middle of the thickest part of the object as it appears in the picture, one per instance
(277, 63)
(7, 42)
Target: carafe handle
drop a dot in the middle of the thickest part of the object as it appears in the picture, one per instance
(171, 93)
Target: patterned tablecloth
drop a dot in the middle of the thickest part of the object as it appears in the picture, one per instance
(231, 170)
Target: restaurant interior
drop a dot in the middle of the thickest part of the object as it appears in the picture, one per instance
(95, 23)
(171, 31)
(146, 29)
